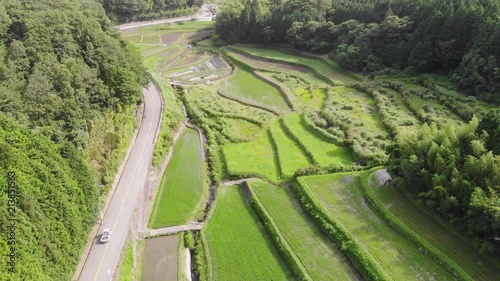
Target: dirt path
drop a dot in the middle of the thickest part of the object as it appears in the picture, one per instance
(236, 182)
(174, 229)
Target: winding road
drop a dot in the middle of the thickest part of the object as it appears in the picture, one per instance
(102, 259)
(203, 14)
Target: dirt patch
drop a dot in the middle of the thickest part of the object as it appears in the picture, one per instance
(170, 38)
(271, 65)
(160, 259)
(191, 60)
(168, 53)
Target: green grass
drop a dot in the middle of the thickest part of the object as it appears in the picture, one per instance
(341, 195)
(207, 98)
(291, 156)
(319, 256)
(396, 109)
(127, 269)
(151, 39)
(241, 129)
(479, 267)
(239, 247)
(172, 118)
(245, 86)
(360, 120)
(324, 152)
(429, 108)
(311, 99)
(330, 69)
(183, 185)
(254, 158)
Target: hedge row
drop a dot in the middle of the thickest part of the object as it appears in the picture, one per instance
(291, 135)
(233, 116)
(401, 89)
(286, 251)
(244, 65)
(275, 148)
(330, 169)
(362, 260)
(320, 131)
(314, 71)
(213, 149)
(391, 126)
(429, 250)
(201, 257)
(263, 107)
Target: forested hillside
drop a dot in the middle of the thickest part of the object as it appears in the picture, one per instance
(132, 10)
(381, 36)
(68, 89)
(455, 171)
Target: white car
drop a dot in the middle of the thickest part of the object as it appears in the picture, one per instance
(106, 235)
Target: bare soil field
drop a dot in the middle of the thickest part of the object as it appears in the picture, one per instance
(171, 38)
(160, 259)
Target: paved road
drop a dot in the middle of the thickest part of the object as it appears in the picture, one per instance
(103, 258)
(202, 15)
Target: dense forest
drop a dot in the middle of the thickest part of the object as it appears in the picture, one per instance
(381, 36)
(133, 10)
(456, 172)
(68, 87)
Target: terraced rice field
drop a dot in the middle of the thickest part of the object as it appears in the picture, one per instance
(290, 154)
(341, 196)
(253, 158)
(241, 129)
(183, 186)
(330, 69)
(397, 111)
(429, 109)
(479, 267)
(238, 246)
(322, 259)
(324, 152)
(245, 86)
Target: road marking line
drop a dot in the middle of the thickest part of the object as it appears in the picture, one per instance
(128, 189)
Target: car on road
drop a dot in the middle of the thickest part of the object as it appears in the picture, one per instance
(106, 235)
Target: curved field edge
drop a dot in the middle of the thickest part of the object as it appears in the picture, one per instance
(171, 119)
(336, 79)
(396, 224)
(260, 93)
(364, 262)
(238, 245)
